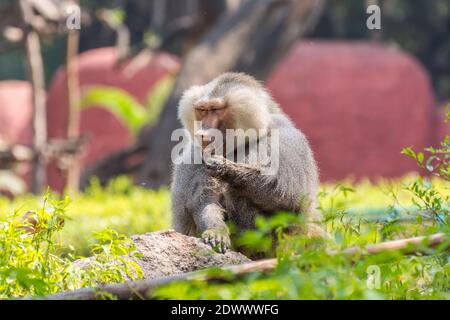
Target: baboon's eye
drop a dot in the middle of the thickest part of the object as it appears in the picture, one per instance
(201, 112)
(218, 111)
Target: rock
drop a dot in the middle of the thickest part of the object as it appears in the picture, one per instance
(167, 256)
(168, 253)
(358, 103)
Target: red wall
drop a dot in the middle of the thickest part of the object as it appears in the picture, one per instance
(358, 103)
(15, 118)
(15, 112)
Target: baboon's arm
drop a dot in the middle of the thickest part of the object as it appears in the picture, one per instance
(210, 221)
(263, 190)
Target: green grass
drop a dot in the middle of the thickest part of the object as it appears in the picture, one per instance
(40, 263)
(306, 271)
(120, 206)
(30, 263)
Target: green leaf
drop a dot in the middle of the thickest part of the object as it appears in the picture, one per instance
(129, 111)
(420, 158)
(409, 152)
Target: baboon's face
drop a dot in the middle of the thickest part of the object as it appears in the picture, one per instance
(212, 114)
(231, 101)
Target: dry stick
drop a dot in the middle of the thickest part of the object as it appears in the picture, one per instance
(135, 289)
(407, 246)
(73, 96)
(16, 154)
(36, 72)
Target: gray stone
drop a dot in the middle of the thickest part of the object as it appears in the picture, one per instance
(168, 253)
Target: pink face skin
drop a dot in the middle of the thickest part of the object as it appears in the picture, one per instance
(213, 115)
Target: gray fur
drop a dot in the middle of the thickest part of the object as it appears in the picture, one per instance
(206, 195)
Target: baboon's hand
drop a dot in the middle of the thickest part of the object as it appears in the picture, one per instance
(232, 172)
(218, 239)
(216, 165)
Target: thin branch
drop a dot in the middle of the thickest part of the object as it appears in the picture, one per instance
(73, 96)
(130, 290)
(16, 154)
(414, 245)
(55, 149)
(36, 74)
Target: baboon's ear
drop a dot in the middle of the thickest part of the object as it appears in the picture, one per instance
(186, 112)
(248, 109)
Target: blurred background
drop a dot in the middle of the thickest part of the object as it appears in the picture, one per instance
(90, 88)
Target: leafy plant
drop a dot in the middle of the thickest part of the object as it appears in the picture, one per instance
(121, 206)
(308, 271)
(29, 260)
(434, 160)
(428, 199)
(84, 226)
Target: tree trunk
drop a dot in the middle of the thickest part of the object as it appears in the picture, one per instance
(250, 39)
(179, 24)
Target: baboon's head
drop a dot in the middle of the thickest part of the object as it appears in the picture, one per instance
(230, 101)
